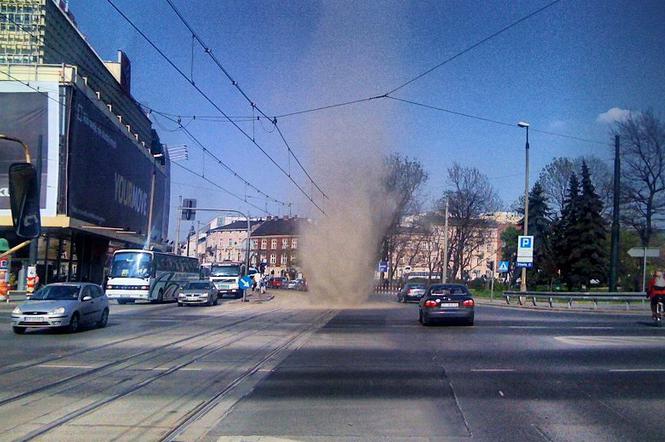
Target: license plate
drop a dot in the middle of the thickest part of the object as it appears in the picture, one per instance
(34, 319)
(449, 305)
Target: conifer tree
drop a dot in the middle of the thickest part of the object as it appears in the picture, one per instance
(588, 254)
(563, 240)
(540, 226)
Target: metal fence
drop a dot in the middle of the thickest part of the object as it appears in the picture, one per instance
(388, 288)
(572, 297)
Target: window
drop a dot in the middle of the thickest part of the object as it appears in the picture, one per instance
(273, 259)
(273, 244)
(264, 244)
(230, 242)
(284, 260)
(255, 244)
(294, 243)
(285, 243)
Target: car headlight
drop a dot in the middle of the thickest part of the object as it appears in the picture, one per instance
(58, 311)
(17, 310)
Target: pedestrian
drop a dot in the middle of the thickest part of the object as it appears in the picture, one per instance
(656, 291)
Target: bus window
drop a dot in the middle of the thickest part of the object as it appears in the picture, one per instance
(131, 265)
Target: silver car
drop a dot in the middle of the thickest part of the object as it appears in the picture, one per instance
(69, 305)
(198, 292)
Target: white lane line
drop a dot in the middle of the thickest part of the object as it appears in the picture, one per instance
(611, 340)
(492, 370)
(501, 393)
(632, 370)
(64, 366)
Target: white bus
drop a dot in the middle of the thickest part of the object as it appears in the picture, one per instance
(143, 275)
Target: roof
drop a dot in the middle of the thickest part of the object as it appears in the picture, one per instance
(236, 225)
(280, 227)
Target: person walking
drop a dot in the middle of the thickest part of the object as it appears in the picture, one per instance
(656, 291)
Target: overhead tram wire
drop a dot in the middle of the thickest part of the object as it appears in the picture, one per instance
(228, 192)
(215, 105)
(251, 102)
(489, 120)
(220, 162)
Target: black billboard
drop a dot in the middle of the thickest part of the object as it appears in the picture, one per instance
(109, 177)
(23, 115)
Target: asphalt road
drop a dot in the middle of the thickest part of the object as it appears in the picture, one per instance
(286, 370)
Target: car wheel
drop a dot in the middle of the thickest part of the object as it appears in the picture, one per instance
(104, 319)
(420, 316)
(19, 330)
(180, 304)
(73, 323)
(216, 301)
(122, 302)
(424, 320)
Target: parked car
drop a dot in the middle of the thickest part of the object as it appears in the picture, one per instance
(411, 291)
(277, 282)
(68, 305)
(198, 292)
(446, 302)
(297, 284)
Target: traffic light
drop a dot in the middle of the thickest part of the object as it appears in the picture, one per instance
(24, 199)
(188, 209)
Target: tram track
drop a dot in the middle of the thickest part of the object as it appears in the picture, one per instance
(117, 362)
(10, 368)
(191, 357)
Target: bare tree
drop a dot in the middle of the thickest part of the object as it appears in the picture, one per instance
(554, 178)
(642, 172)
(405, 177)
(470, 196)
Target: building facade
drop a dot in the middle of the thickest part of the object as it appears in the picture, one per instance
(276, 243)
(95, 150)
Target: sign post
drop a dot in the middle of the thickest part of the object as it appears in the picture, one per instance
(644, 253)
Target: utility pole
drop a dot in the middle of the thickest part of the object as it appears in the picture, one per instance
(177, 226)
(616, 233)
(444, 271)
(526, 199)
(32, 251)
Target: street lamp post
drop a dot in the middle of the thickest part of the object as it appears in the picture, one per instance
(525, 125)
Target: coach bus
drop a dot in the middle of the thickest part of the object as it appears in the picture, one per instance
(144, 275)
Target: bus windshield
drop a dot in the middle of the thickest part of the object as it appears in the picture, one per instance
(225, 270)
(131, 265)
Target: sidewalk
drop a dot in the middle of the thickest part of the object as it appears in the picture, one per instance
(635, 308)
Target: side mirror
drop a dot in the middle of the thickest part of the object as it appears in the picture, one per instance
(87, 298)
(24, 200)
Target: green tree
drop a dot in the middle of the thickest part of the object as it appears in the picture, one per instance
(509, 248)
(588, 256)
(540, 226)
(563, 233)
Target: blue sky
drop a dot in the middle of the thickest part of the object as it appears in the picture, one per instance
(559, 70)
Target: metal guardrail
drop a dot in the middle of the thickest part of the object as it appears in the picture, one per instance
(571, 297)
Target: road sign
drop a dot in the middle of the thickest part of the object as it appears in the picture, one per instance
(524, 249)
(245, 282)
(642, 252)
(383, 266)
(526, 265)
(187, 213)
(504, 266)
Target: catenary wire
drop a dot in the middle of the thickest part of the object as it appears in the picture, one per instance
(238, 197)
(213, 103)
(252, 103)
(220, 162)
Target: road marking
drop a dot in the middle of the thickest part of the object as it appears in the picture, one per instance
(611, 340)
(491, 370)
(501, 393)
(631, 370)
(538, 327)
(64, 366)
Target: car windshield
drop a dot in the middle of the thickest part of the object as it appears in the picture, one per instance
(198, 285)
(225, 270)
(448, 290)
(416, 286)
(131, 265)
(57, 293)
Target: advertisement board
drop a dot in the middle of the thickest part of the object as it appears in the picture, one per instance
(109, 174)
(32, 117)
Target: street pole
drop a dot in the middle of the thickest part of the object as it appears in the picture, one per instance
(152, 201)
(444, 271)
(32, 251)
(616, 238)
(644, 271)
(526, 200)
(177, 226)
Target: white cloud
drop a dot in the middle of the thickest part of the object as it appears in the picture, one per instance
(556, 125)
(613, 115)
